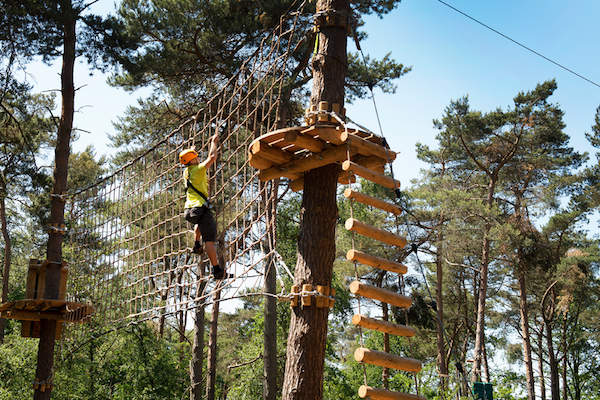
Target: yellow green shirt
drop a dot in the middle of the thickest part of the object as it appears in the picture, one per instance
(197, 175)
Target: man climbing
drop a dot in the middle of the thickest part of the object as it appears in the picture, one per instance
(197, 205)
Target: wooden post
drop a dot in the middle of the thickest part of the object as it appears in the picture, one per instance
(372, 201)
(305, 355)
(381, 359)
(382, 326)
(375, 293)
(382, 394)
(374, 233)
(375, 262)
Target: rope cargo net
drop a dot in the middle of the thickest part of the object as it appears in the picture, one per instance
(127, 237)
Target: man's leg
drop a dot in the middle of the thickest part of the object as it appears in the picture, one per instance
(211, 251)
(197, 240)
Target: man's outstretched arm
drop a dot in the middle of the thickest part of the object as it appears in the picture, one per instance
(212, 151)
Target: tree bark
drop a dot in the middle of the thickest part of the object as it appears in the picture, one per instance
(196, 391)
(57, 206)
(211, 365)
(316, 242)
(7, 256)
(565, 358)
(482, 292)
(441, 356)
(524, 312)
(541, 362)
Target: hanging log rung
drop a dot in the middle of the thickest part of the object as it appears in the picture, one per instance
(372, 201)
(383, 295)
(368, 148)
(370, 175)
(383, 394)
(382, 326)
(372, 232)
(387, 360)
(375, 262)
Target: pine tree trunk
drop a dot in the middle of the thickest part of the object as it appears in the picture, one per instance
(196, 391)
(565, 359)
(270, 287)
(316, 242)
(554, 375)
(524, 312)
(441, 356)
(482, 292)
(57, 206)
(7, 256)
(541, 362)
(385, 373)
(211, 365)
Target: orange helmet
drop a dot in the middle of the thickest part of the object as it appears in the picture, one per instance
(187, 155)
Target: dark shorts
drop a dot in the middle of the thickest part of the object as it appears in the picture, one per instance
(202, 217)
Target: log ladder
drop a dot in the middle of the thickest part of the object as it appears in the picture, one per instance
(289, 153)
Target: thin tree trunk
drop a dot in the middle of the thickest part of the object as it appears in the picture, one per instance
(441, 356)
(305, 353)
(554, 375)
(486, 368)
(7, 257)
(211, 365)
(524, 312)
(482, 293)
(541, 362)
(196, 391)
(385, 373)
(57, 206)
(565, 353)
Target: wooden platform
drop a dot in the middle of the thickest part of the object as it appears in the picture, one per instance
(38, 309)
(290, 152)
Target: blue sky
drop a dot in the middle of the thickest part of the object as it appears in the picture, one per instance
(451, 56)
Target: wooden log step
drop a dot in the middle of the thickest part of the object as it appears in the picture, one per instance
(367, 147)
(384, 236)
(375, 262)
(272, 154)
(387, 360)
(382, 326)
(258, 162)
(326, 133)
(368, 174)
(304, 141)
(372, 201)
(383, 394)
(383, 295)
(329, 156)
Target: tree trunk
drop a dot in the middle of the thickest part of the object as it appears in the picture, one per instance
(554, 375)
(541, 362)
(385, 373)
(57, 206)
(439, 298)
(270, 313)
(198, 346)
(524, 312)
(316, 242)
(565, 358)
(211, 365)
(7, 257)
(482, 293)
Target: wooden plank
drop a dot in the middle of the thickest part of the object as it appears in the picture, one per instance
(272, 154)
(383, 295)
(329, 156)
(372, 201)
(368, 148)
(375, 262)
(383, 326)
(258, 162)
(343, 179)
(387, 360)
(383, 394)
(304, 141)
(327, 133)
(374, 233)
(368, 174)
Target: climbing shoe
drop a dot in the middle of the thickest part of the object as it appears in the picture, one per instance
(219, 274)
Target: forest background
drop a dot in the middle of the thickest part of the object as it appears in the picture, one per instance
(491, 71)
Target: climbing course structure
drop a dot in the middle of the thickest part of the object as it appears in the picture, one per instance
(327, 139)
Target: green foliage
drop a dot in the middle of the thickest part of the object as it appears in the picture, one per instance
(17, 367)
